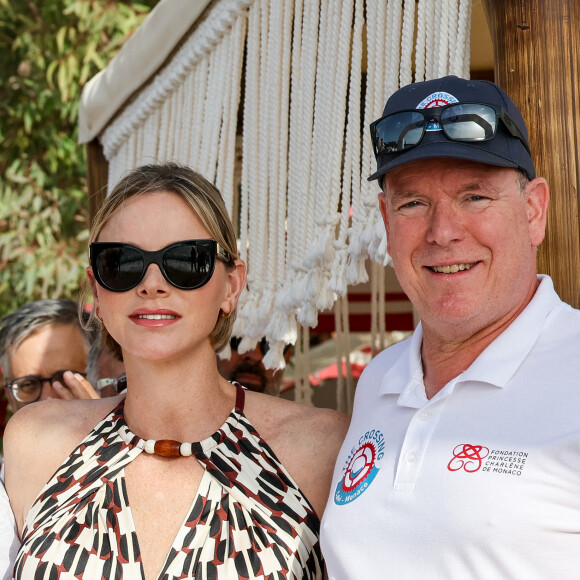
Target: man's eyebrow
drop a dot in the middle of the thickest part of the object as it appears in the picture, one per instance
(402, 195)
(479, 186)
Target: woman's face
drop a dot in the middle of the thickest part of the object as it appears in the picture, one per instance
(155, 320)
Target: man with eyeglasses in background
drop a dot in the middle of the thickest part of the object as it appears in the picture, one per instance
(248, 368)
(43, 353)
(462, 458)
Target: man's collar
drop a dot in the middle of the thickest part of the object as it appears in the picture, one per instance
(498, 363)
(407, 369)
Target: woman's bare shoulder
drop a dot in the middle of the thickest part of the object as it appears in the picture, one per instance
(318, 432)
(305, 439)
(48, 423)
(287, 418)
(39, 438)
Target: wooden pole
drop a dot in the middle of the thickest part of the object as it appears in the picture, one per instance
(97, 176)
(536, 46)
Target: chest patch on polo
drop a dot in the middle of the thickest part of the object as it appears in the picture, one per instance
(361, 467)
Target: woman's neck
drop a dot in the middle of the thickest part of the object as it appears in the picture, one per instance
(185, 400)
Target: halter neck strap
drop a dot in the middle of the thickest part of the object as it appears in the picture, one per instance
(240, 397)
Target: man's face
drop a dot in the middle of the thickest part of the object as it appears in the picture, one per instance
(462, 237)
(51, 348)
(249, 370)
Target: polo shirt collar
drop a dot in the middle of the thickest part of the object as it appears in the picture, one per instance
(406, 374)
(498, 363)
(495, 365)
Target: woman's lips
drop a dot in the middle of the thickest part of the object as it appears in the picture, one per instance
(154, 318)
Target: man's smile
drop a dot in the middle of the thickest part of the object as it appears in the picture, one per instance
(452, 268)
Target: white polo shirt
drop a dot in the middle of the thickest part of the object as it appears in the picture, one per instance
(481, 481)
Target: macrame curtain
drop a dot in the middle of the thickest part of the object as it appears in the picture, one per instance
(315, 73)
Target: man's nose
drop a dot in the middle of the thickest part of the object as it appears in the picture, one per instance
(253, 355)
(445, 224)
(47, 391)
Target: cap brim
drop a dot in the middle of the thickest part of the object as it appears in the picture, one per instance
(453, 149)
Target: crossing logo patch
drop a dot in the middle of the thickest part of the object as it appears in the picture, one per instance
(361, 467)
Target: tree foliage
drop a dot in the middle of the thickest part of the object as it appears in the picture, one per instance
(48, 50)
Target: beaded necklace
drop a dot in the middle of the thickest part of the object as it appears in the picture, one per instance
(170, 447)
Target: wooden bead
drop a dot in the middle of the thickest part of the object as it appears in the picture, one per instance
(167, 448)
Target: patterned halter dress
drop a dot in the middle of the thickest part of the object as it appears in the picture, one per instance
(248, 518)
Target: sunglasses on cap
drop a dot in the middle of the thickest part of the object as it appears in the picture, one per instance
(28, 389)
(464, 122)
(186, 265)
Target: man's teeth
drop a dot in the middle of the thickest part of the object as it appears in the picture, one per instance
(157, 316)
(452, 269)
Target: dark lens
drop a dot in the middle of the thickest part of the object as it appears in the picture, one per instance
(188, 265)
(399, 131)
(264, 346)
(469, 122)
(120, 268)
(26, 389)
(235, 342)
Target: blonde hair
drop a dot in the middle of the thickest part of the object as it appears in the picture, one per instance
(205, 200)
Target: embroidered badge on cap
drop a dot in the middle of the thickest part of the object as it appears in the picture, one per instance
(361, 467)
(438, 99)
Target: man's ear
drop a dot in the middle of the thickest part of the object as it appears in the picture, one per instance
(537, 198)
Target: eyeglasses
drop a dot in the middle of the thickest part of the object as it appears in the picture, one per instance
(119, 384)
(464, 122)
(186, 265)
(263, 345)
(28, 389)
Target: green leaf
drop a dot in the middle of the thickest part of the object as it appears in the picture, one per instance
(60, 38)
(27, 118)
(50, 73)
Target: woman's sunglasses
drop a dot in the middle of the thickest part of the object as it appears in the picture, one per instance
(186, 265)
(465, 122)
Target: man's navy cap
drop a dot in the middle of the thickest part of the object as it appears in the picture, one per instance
(503, 150)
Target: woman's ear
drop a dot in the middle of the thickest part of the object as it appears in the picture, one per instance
(236, 278)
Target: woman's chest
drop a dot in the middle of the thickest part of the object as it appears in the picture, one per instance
(162, 495)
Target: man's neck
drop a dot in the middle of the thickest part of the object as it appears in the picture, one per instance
(441, 365)
(445, 356)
